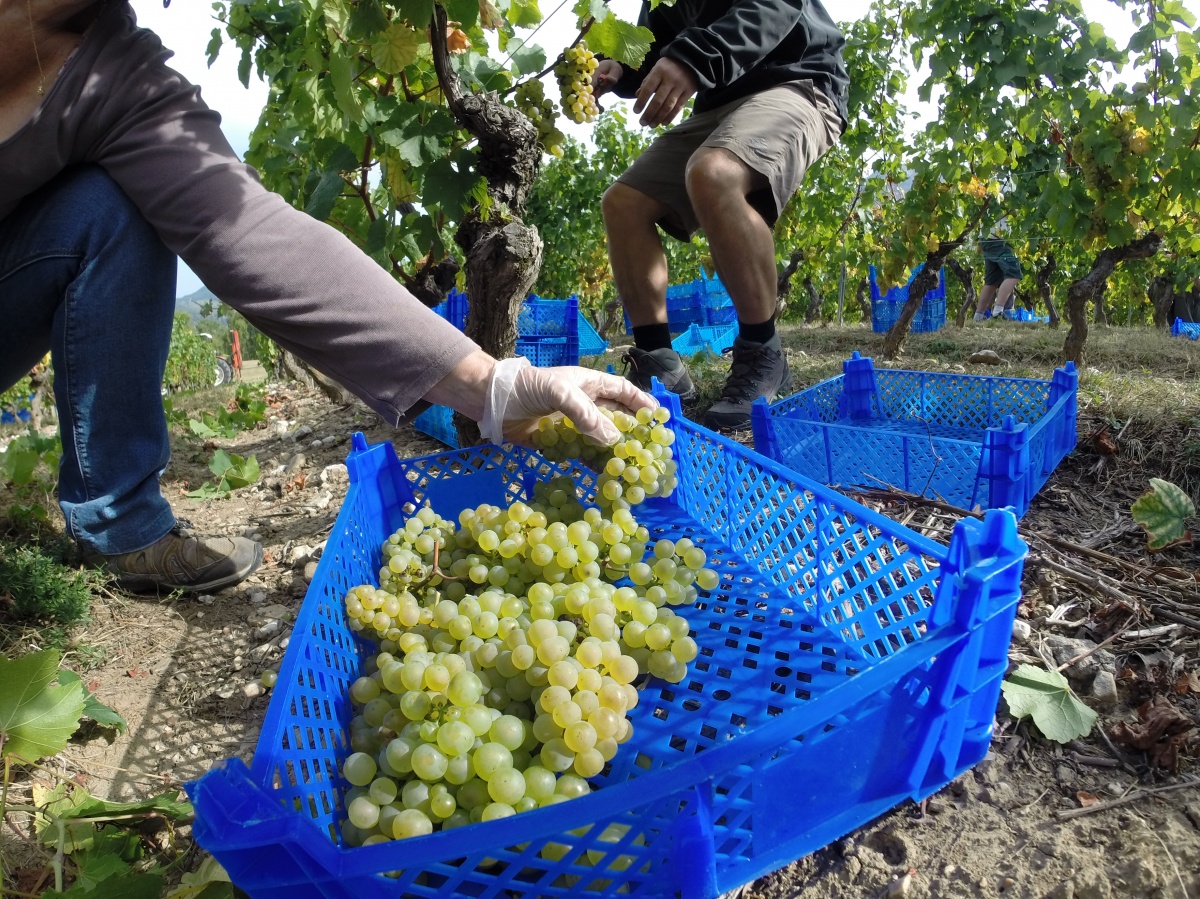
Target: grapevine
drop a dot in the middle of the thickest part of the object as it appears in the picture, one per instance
(510, 642)
(574, 75)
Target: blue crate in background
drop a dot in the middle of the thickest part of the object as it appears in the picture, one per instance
(886, 308)
(1024, 315)
(454, 309)
(438, 422)
(833, 630)
(546, 352)
(590, 341)
(685, 306)
(1190, 330)
(699, 339)
(974, 442)
(718, 306)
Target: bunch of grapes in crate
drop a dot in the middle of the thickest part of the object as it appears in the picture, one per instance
(510, 644)
(574, 75)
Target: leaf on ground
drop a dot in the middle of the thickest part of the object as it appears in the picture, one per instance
(1166, 734)
(1046, 697)
(37, 719)
(127, 886)
(93, 708)
(1164, 511)
(206, 881)
(200, 429)
(167, 805)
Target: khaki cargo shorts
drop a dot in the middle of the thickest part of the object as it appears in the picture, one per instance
(778, 133)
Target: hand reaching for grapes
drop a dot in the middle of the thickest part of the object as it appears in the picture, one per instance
(664, 92)
(606, 76)
(520, 394)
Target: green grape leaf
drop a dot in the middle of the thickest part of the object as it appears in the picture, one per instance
(166, 805)
(1047, 697)
(596, 9)
(523, 13)
(416, 12)
(464, 12)
(419, 149)
(105, 860)
(627, 44)
(209, 491)
(36, 719)
(528, 59)
(1164, 511)
(209, 881)
(242, 472)
(342, 73)
(128, 886)
(396, 48)
(324, 195)
(377, 236)
(221, 463)
(448, 187)
(201, 429)
(92, 707)
(366, 20)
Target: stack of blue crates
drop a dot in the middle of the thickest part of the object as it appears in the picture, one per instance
(886, 308)
(1190, 330)
(714, 339)
(1024, 315)
(703, 302)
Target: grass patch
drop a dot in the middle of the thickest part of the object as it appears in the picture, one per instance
(37, 588)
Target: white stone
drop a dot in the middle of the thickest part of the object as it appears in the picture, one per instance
(1021, 631)
(335, 474)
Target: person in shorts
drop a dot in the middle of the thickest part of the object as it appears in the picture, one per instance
(1001, 274)
(770, 88)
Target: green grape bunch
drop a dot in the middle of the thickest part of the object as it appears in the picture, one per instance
(510, 650)
(531, 100)
(574, 75)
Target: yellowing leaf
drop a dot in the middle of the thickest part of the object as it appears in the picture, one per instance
(1164, 512)
(36, 719)
(1046, 697)
(396, 49)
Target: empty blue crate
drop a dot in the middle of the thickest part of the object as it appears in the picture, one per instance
(590, 341)
(438, 422)
(685, 306)
(886, 308)
(718, 306)
(1190, 330)
(833, 630)
(698, 339)
(973, 442)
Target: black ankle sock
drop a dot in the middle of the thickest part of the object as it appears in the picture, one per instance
(759, 333)
(652, 337)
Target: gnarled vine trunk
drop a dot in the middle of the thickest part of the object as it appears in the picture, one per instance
(815, 301)
(783, 287)
(966, 277)
(863, 296)
(1046, 290)
(1091, 288)
(925, 281)
(503, 254)
(1162, 298)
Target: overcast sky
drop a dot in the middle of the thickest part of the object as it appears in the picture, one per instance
(187, 25)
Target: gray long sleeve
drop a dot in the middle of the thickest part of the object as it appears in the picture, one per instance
(118, 105)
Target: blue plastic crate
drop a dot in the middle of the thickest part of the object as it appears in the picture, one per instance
(1024, 315)
(697, 339)
(548, 318)
(438, 422)
(833, 631)
(1180, 328)
(454, 309)
(590, 341)
(886, 308)
(546, 352)
(974, 442)
(685, 306)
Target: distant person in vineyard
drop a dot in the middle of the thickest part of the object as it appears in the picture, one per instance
(770, 89)
(1001, 274)
(111, 166)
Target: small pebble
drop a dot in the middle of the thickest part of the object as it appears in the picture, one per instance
(1021, 631)
(253, 689)
(310, 571)
(270, 629)
(294, 464)
(1008, 883)
(901, 886)
(205, 599)
(302, 432)
(316, 444)
(257, 597)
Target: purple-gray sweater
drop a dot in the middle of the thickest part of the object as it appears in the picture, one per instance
(116, 104)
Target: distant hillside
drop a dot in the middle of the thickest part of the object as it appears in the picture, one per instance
(193, 301)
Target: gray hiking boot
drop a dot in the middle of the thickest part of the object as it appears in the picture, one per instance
(663, 364)
(182, 561)
(759, 369)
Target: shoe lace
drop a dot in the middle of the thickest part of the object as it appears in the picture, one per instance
(744, 375)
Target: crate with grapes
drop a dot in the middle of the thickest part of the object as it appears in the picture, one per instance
(657, 669)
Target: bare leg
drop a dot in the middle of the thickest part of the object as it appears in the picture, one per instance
(984, 305)
(635, 252)
(742, 243)
(1004, 294)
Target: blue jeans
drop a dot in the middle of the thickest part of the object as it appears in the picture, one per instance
(83, 275)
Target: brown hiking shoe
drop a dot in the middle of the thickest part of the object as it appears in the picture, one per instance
(181, 561)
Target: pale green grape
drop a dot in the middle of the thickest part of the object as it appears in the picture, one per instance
(359, 768)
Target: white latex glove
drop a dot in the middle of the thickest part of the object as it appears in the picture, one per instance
(520, 394)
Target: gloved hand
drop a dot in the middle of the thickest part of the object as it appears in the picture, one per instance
(520, 394)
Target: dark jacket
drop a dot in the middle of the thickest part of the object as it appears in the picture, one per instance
(741, 47)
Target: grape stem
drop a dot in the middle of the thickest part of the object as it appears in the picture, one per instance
(562, 57)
